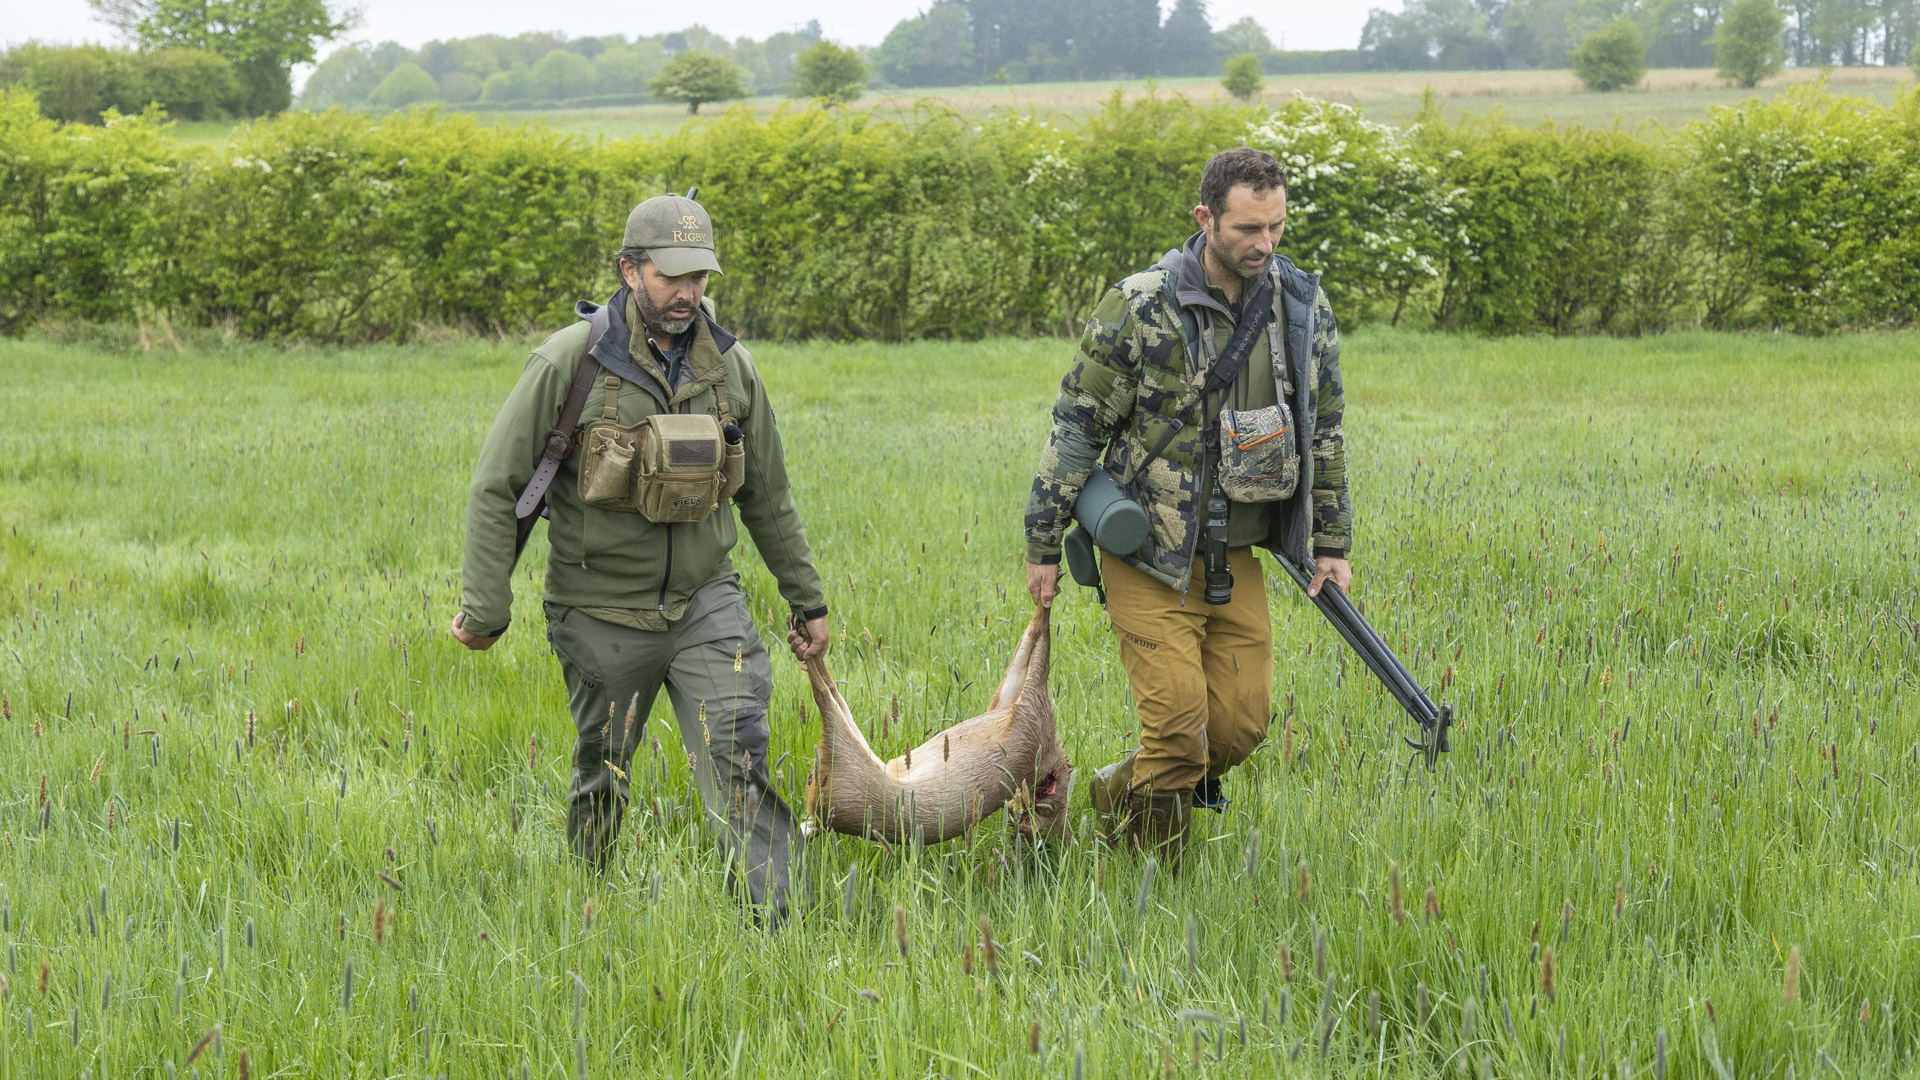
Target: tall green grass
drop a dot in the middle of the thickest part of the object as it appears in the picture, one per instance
(1670, 585)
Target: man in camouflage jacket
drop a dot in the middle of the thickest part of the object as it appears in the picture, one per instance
(1133, 404)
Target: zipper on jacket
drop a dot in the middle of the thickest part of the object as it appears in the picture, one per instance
(666, 576)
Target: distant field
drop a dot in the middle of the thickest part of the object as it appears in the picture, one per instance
(1671, 835)
(1669, 97)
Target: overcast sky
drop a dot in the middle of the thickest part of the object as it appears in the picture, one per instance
(1304, 24)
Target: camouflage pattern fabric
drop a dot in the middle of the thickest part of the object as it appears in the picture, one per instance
(1131, 402)
(1332, 504)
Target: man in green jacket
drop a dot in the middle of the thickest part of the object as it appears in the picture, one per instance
(1140, 401)
(640, 591)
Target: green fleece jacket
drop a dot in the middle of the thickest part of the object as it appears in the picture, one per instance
(618, 559)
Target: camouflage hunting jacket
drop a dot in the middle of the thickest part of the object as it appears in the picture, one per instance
(1131, 404)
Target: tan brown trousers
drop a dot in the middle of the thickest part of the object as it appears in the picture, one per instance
(1202, 676)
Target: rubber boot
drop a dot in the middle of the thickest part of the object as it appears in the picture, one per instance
(1157, 824)
(1109, 792)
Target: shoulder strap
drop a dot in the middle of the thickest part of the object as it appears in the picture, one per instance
(1257, 313)
(560, 440)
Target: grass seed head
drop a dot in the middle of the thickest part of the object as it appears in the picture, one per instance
(379, 922)
(1431, 909)
(1619, 901)
(1301, 873)
(1566, 918)
(1546, 973)
(1033, 1039)
(989, 952)
(200, 1047)
(1286, 964)
(900, 928)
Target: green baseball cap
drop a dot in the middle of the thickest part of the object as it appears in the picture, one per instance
(676, 234)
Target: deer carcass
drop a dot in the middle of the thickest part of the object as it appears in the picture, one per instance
(1008, 756)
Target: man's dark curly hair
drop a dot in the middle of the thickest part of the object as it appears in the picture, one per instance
(1243, 165)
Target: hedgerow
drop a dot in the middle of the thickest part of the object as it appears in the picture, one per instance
(1799, 214)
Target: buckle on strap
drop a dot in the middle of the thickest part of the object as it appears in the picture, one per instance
(559, 445)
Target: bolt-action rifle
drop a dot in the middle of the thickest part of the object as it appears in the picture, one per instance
(1110, 520)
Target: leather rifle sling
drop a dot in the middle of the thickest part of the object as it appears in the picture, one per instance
(560, 440)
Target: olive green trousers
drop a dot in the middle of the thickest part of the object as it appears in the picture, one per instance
(719, 678)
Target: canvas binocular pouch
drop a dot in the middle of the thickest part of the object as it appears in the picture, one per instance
(1107, 519)
(669, 468)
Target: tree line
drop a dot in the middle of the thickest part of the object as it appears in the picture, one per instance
(198, 59)
(1488, 34)
(544, 67)
(214, 59)
(969, 41)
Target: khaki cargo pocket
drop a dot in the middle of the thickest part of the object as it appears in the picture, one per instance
(681, 461)
(607, 467)
(1259, 461)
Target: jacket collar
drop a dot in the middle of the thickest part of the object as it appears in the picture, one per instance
(614, 351)
(1187, 273)
(1186, 269)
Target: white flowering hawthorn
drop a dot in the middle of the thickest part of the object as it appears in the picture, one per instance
(1361, 209)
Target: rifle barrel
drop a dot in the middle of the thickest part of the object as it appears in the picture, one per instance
(1378, 656)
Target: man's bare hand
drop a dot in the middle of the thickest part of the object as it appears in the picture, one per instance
(1043, 582)
(470, 640)
(1326, 568)
(813, 642)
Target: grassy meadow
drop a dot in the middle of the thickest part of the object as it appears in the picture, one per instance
(252, 786)
(1669, 98)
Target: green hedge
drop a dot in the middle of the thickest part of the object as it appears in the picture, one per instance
(1798, 214)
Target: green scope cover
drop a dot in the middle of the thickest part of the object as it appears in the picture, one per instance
(1108, 519)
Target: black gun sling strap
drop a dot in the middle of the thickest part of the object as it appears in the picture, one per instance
(560, 440)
